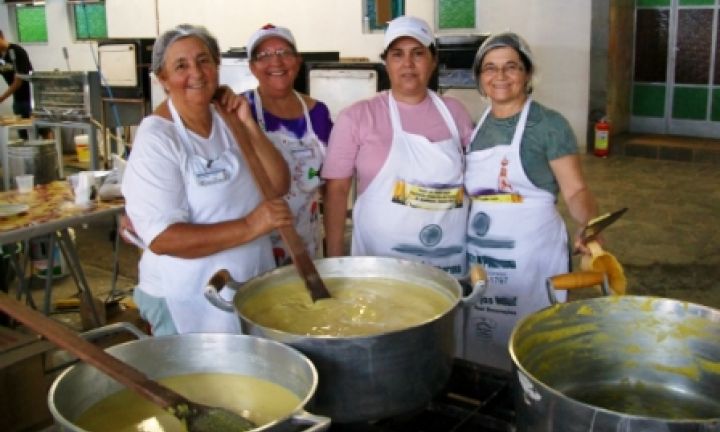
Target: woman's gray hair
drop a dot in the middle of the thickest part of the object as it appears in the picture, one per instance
(182, 31)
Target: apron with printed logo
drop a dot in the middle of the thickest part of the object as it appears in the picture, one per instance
(415, 208)
(515, 232)
(304, 157)
(217, 190)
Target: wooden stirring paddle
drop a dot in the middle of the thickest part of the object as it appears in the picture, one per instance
(296, 245)
(196, 417)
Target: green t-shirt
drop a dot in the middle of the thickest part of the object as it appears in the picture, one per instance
(547, 136)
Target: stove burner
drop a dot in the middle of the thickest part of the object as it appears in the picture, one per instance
(476, 398)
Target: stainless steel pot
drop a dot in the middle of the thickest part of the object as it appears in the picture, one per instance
(624, 363)
(371, 377)
(81, 386)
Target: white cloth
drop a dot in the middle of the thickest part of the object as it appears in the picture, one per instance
(304, 157)
(415, 207)
(174, 175)
(516, 233)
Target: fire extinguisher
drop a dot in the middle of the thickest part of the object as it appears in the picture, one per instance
(602, 138)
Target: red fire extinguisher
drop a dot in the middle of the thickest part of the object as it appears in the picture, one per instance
(602, 138)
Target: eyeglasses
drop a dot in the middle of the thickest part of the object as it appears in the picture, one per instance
(282, 54)
(510, 69)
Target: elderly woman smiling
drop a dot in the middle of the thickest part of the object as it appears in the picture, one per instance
(189, 192)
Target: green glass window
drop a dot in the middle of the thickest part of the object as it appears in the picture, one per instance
(690, 103)
(455, 14)
(31, 23)
(651, 3)
(379, 12)
(648, 100)
(90, 21)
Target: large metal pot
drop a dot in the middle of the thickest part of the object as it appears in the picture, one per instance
(371, 377)
(624, 363)
(81, 386)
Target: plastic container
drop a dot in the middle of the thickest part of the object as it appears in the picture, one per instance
(37, 157)
(81, 148)
(25, 183)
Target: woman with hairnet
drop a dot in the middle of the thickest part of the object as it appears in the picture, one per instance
(522, 154)
(190, 194)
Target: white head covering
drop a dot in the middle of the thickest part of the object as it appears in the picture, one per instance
(267, 31)
(409, 26)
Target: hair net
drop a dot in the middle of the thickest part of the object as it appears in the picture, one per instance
(508, 39)
(182, 31)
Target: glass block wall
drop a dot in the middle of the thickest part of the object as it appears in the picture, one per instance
(456, 14)
(90, 21)
(31, 23)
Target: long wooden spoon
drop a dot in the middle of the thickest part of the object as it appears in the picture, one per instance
(298, 252)
(196, 417)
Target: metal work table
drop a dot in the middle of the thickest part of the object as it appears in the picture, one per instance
(52, 213)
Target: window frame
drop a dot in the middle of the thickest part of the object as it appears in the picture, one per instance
(15, 22)
(454, 29)
(72, 22)
(370, 25)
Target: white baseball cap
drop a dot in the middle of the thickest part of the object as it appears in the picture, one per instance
(409, 26)
(268, 31)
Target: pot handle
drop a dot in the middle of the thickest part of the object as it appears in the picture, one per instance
(316, 422)
(568, 281)
(478, 283)
(220, 281)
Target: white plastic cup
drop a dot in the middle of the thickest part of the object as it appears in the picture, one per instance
(25, 183)
(84, 187)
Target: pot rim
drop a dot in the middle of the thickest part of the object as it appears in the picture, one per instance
(300, 408)
(520, 369)
(285, 336)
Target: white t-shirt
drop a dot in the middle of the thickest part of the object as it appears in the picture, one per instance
(154, 187)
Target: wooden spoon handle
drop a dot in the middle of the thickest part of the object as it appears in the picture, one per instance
(89, 353)
(296, 245)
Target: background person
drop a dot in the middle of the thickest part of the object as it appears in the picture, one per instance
(297, 124)
(405, 149)
(190, 195)
(522, 155)
(15, 68)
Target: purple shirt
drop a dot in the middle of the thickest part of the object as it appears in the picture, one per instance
(319, 117)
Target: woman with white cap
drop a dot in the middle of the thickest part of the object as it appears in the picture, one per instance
(190, 195)
(405, 147)
(521, 156)
(297, 124)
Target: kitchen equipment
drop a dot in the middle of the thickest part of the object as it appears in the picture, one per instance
(36, 157)
(58, 96)
(292, 239)
(197, 417)
(81, 386)
(615, 363)
(456, 54)
(371, 377)
(595, 226)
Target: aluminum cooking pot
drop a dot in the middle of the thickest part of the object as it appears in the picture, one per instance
(371, 377)
(81, 386)
(620, 363)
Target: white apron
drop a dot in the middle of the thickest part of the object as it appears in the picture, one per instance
(516, 233)
(217, 190)
(304, 157)
(415, 207)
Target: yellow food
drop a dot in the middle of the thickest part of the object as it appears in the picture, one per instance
(259, 400)
(358, 307)
(605, 262)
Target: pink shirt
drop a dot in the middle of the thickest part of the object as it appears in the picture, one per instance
(362, 135)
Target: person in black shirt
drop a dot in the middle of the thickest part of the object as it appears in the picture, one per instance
(15, 68)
